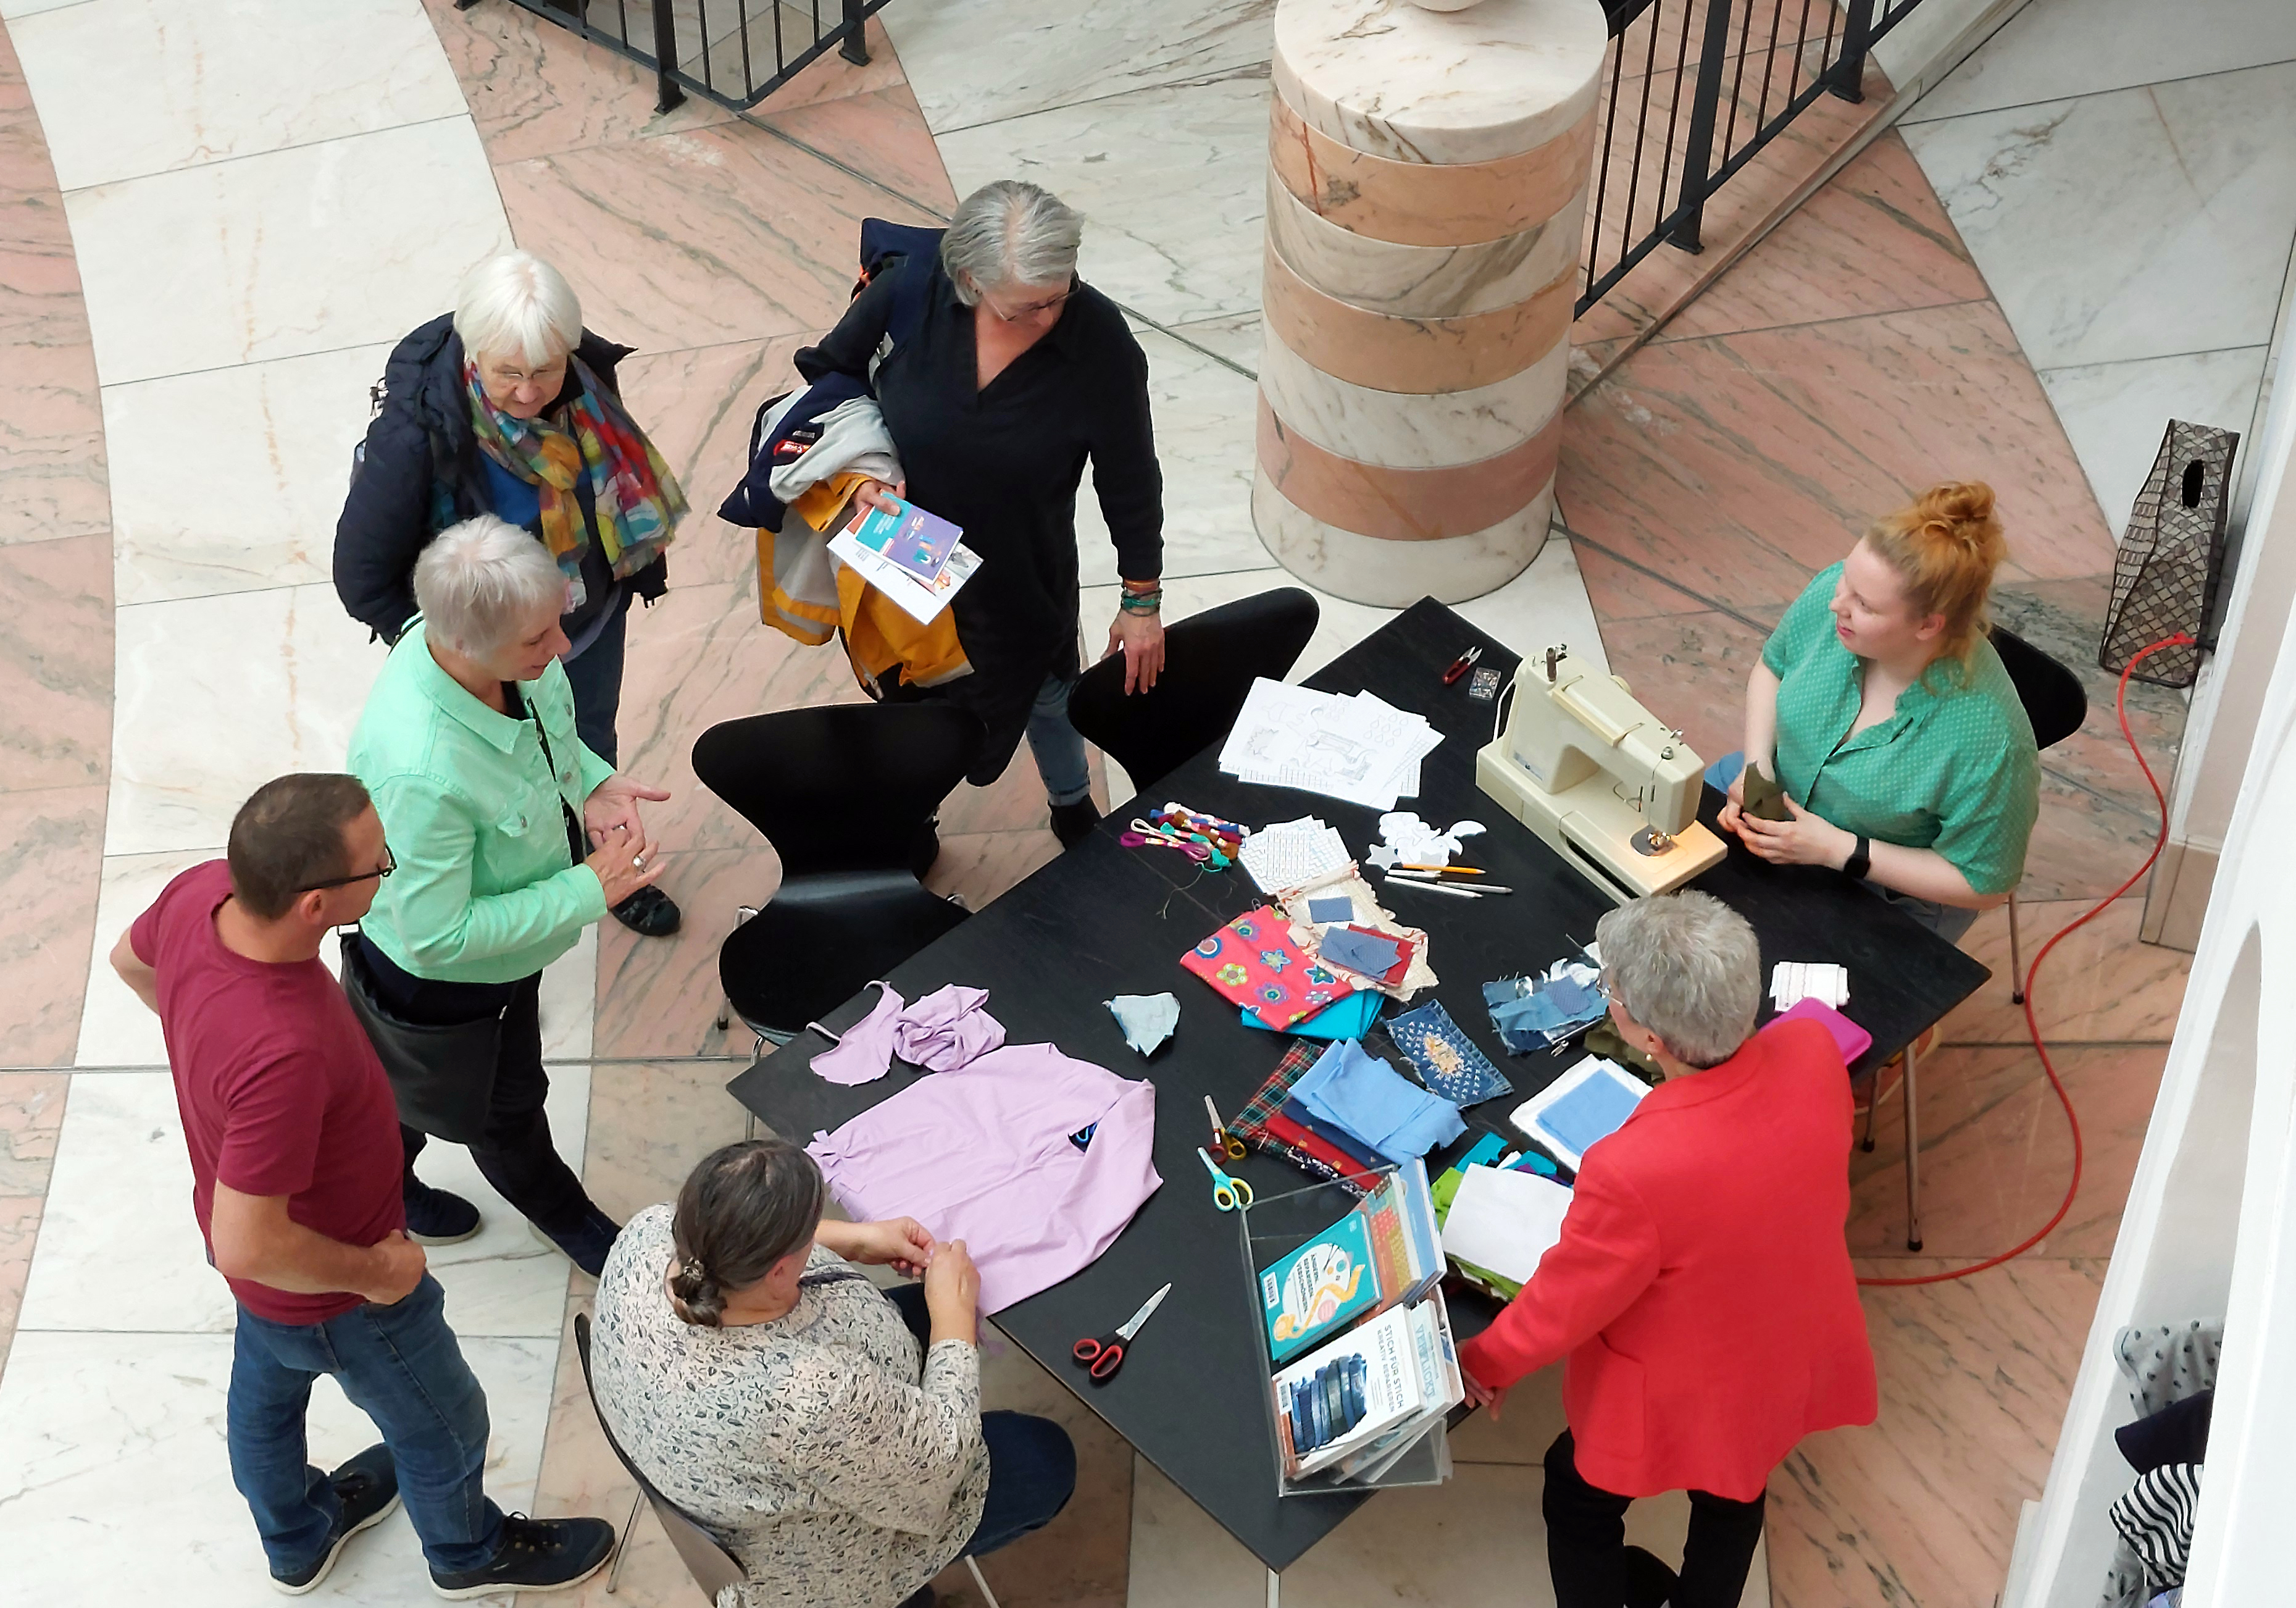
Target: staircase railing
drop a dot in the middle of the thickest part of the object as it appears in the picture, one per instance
(734, 52)
(1671, 130)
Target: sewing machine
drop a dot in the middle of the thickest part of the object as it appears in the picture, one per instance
(1611, 789)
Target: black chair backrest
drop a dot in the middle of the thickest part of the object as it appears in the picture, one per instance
(845, 788)
(713, 1568)
(2053, 699)
(1210, 661)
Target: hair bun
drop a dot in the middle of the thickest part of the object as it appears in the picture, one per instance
(1962, 509)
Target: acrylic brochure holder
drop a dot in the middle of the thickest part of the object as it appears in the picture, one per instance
(1272, 1227)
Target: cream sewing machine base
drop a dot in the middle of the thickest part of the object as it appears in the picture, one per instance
(1611, 789)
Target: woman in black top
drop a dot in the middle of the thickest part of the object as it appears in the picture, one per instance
(1015, 373)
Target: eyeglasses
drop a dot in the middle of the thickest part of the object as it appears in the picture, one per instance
(388, 866)
(1032, 309)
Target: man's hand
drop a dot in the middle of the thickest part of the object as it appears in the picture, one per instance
(614, 803)
(1482, 1395)
(1140, 638)
(400, 1264)
(1806, 840)
(900, 1244)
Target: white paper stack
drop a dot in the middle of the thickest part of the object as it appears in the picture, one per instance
(1292, 854)
(1505, 1221)
(1792, 981)
(1353, 746)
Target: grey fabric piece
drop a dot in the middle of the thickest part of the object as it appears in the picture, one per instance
(2155, 1521)
(853, 436)
(2165, 1363)
(2124, 1578)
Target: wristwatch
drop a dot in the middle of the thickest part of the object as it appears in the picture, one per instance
(1860, 860)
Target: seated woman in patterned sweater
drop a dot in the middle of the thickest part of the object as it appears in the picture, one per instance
(829, 1434)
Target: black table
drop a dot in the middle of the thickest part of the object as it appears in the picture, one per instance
(1102, 920)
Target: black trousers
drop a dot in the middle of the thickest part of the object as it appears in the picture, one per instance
(1587, 1555)
(516, 1154)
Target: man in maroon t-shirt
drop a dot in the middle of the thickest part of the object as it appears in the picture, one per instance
(296, 1182)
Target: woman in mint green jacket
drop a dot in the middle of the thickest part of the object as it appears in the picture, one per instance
(507, 837)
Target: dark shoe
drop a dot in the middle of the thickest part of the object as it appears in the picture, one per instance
(586, 1243)
(1650, 1583)
(366, 1488)
(436, 1217)
(925, 849)
(650, 912)
(535, 1555)
(1073, 823)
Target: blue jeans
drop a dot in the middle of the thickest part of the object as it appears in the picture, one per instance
(595, 676)
(1058, 747)
(401, 1366)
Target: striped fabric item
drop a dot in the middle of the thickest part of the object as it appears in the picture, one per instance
(2155, 1518)
(1251, 1124)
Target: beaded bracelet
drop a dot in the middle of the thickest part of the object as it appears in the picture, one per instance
(1142, 602)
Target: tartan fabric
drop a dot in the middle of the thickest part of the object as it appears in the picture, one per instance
(1251, 1124)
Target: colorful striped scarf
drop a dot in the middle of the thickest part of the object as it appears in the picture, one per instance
(637, 499)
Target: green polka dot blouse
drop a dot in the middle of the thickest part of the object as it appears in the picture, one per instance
(1953, 768)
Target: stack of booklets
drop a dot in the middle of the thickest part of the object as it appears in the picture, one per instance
(1357, 1307)
(1348, 746)
(912, 557)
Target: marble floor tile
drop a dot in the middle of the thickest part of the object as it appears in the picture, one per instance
(76, 1408)
(1013, 802)
(343, 243)
(31, 1116)
(1203, 411)
(50, 866)
(697, 238)
(115, 1028)
(1997, 1155)
(1529, 1421)
(55, 718)
(830, 76)
(533, 88)
(659, 996)
(505, 1281)
(1233, 340)
(650, 1124)
(1172, 182)
(292, 667)
(207, 82)
(2065, 620)
(119, 1218)
(978, 866)
(1546, 604)
(879, 132)
(51, 451)
(26, 8)
(1620, 588)
(2101, 984)
(251, 500)
(2086, 843)
(698, 405)
(983, 60)
(1874, 239)
(1339, 627)
(1738, 465)
(1921, 1508)
(19, 1229)
(2056, 48)
(2115, 413)
(1691, 670)
(569, 989)
(2139, 223)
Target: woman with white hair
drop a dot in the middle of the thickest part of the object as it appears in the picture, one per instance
(1701, 1298)
(508, 835)
(507, 405)
(1007, 373)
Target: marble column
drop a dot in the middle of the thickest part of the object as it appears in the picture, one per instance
(1427, 185)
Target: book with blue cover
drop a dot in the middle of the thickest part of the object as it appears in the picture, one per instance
(918, 542)
(1386, 1250)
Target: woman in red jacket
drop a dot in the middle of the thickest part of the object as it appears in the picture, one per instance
(1701, 1292)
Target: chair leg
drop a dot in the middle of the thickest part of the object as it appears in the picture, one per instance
(2016, 958)
(622, 1544)
(1913, 1154)
(1873, 1099)
(987, 1595)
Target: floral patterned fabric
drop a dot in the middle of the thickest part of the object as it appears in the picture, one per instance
(1254, 962)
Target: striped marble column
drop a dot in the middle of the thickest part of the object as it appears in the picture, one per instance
(1427, 183)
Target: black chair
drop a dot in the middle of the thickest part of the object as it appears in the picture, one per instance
(2055, 704)
(845, 794)
(1210, 661)
(713, 1568)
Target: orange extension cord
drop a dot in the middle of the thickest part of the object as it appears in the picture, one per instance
(2033, 971)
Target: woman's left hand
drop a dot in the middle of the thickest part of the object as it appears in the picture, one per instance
(1141, 639)
(1482, 1395)
(900, 1244)
(1806, 840)
(612, 806)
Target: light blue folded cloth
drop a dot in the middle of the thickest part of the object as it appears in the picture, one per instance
(1147, 1019)
(1356, 1091)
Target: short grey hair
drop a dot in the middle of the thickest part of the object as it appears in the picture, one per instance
(478, 581)
(1688, 967)
(1010, 232)
(517, 305)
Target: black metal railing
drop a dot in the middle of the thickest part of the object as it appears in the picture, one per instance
(1673, 132)
(734, 52)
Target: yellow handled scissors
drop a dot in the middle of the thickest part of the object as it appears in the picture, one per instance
(1228, 1193)
(1224, 1140)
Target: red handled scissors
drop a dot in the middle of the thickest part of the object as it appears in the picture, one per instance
(1102, 1357)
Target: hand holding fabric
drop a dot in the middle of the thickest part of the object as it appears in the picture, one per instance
(900, 1244)
(1805, 840)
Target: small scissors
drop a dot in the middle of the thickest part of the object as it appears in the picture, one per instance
(1228, 1193)
(1142, 835)
(1102, 1357)
(1223, 1138)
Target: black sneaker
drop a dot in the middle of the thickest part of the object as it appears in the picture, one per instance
(535, 1555)
(366, 1488)
(1650, 1583)
(436, 1217)
(650, 912)
(1073, 823)
(586, 1243)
